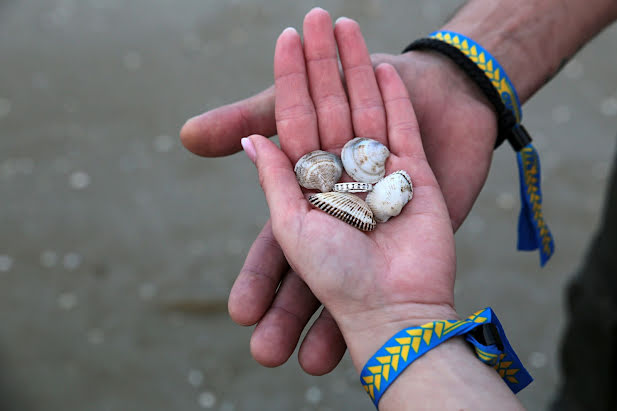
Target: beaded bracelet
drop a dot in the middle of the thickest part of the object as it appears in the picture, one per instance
(482, 329)
(491, 78)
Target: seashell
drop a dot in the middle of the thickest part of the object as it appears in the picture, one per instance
(319, 170)
(346, 207)
(352, 187)
(390, 195)
(365, 159)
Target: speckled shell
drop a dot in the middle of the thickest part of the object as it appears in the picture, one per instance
(319, 170)
(352, 187)
(364, 159)
(346, 207)
(390, 195)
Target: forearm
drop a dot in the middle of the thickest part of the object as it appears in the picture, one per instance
(448, 377)
(532, 39)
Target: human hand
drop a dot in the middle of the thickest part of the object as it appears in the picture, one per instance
(450, 111)
(376, 283)
(457, 123)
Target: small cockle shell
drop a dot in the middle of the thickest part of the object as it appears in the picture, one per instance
(352, 187)
(365, 159)
(390, 195)
(319, 170)
(346, 207)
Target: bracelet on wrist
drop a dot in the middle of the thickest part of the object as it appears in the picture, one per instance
(486, 72)
(482, 330)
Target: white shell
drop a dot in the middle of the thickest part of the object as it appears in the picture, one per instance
(319, 170)
(390, 195)
(352, 187)
(346, 207)
(365, 159)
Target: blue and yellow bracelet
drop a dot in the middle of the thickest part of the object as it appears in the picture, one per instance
(482, 329)
(491, 78)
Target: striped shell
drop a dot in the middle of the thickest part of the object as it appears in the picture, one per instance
(390, 195)
(364, 159)
(318, 170)
(352, 187)
(346, 207)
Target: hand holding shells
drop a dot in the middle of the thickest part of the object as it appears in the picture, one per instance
(401, 264)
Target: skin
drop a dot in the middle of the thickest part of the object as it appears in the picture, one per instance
(531, 39)
(386, 279)
(443, 101)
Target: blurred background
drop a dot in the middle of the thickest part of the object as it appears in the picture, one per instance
(118, 247)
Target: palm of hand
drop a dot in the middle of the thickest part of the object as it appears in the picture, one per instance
(409, 259)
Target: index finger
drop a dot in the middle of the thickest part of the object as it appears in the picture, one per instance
(218, 132)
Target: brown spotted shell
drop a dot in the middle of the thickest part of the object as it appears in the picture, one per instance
(346, 207)
(319, 170)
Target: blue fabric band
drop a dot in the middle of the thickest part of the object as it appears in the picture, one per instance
(409, 344)
(533, 232)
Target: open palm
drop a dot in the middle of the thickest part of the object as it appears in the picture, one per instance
(409, 259)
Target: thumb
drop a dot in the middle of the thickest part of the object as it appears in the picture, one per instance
(218, 132)
(278, 180)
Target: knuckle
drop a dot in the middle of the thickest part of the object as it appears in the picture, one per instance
(330, 102)
(405, 128)
(294, 112)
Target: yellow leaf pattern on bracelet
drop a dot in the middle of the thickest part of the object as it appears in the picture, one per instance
(487, 66)
(399, 353)
(531, 172)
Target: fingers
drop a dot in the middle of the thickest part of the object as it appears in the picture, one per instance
(296, 121)
(255, 287)
(367, 111)
(403, 129)
(278, 180)
(327, 92)
(218, 132)
(277, 334)
(323, 346)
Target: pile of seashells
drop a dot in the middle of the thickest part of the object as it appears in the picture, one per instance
(364, 160)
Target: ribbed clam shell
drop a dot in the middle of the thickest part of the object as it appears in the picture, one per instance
(319, 170)
(346, 207)
(364, 159)
(352, 187)
(390, 195)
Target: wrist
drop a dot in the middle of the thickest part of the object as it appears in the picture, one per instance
(532, 39)
(450, 376)
(367, 331)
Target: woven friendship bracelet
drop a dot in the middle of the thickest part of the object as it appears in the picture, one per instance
(491, 78)
(482, 329)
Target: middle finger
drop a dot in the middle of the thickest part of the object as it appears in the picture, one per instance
(367, 111)
(327, 92)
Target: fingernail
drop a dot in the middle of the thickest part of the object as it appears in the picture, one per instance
(341, 19)
(249, 148)
(290, 30)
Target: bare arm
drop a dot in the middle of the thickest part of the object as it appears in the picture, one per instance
(448, 377)
(530, 38)
(533, 39)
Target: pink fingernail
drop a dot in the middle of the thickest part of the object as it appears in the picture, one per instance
(341, 19)
(249, 148)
